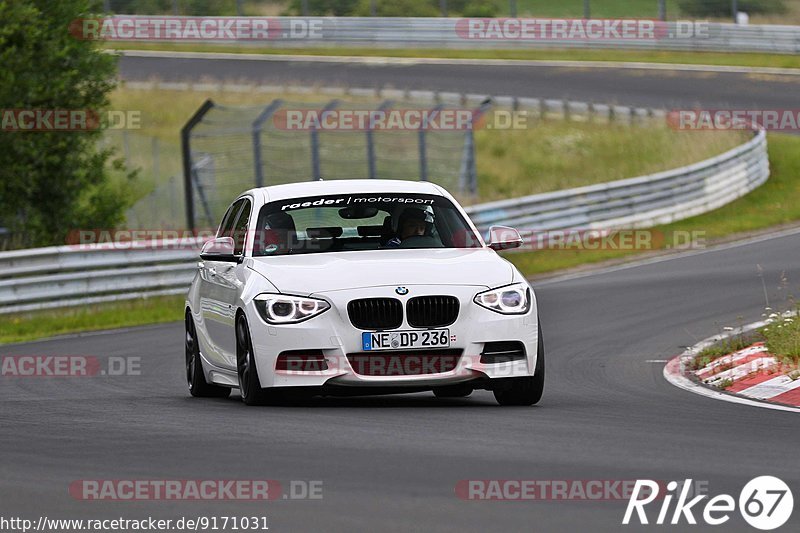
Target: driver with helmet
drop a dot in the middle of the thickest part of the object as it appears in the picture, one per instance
(414, 222)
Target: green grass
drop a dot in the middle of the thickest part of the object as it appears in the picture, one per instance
(637, 9)
(525, 8)
(724, 384)
(782, 337)
(22, 327)
(720, 349)
(555, 154)
(774, 203)
(646, 56)
(539, 8)
(729, 345)
(599, 9)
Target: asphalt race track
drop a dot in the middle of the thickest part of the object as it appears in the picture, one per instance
(638, 87)
(392, 463)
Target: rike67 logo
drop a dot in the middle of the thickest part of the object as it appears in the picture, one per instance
(765, 503)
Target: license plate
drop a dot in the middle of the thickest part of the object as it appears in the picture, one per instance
(397, 340)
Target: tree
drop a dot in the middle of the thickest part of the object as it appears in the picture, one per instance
(54, 181)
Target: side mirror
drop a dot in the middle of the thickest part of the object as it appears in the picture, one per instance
(220, 247)
(504, 238)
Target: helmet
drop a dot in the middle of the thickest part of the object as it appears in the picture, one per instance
(416, 214)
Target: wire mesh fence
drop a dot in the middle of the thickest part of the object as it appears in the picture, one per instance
(163, 208)
(158, 188)
(231, 149)
(223, 155)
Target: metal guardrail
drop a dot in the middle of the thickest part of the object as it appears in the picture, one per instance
(638, 202)
(80, 275)
(60, 276)
(437, 32)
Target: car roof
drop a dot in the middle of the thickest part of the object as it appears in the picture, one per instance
(360, 186)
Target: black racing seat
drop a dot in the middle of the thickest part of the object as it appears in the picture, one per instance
(388, 231)
(279, 230)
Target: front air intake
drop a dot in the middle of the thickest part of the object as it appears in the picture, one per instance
(375, 313)
(432, 311)
(502, 352)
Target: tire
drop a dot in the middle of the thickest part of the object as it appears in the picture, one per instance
(527, 390)
(198, 386)
(461, 390)
(249, 384)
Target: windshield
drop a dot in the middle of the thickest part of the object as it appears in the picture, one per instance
(349, 222)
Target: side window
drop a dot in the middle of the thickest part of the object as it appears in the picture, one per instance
(227, 221)
(240, 229)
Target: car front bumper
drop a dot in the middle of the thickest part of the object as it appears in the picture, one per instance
(333, 334)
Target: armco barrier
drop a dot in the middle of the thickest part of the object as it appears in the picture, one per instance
(433, 32)
(638, 202)
(60, 276)
(64, 275)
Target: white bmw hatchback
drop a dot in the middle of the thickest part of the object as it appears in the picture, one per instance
(355, 287)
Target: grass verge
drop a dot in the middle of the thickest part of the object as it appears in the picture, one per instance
(775, 203)
(556, 154)
(23, 327)
(739, 59)
(722, 348)
(782, 337)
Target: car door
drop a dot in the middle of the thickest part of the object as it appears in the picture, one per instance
(229, 283)
(217, 294)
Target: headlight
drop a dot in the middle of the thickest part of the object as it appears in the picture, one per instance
(509, 300)
(282, 309)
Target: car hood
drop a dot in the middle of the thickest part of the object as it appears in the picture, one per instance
(332, 271)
